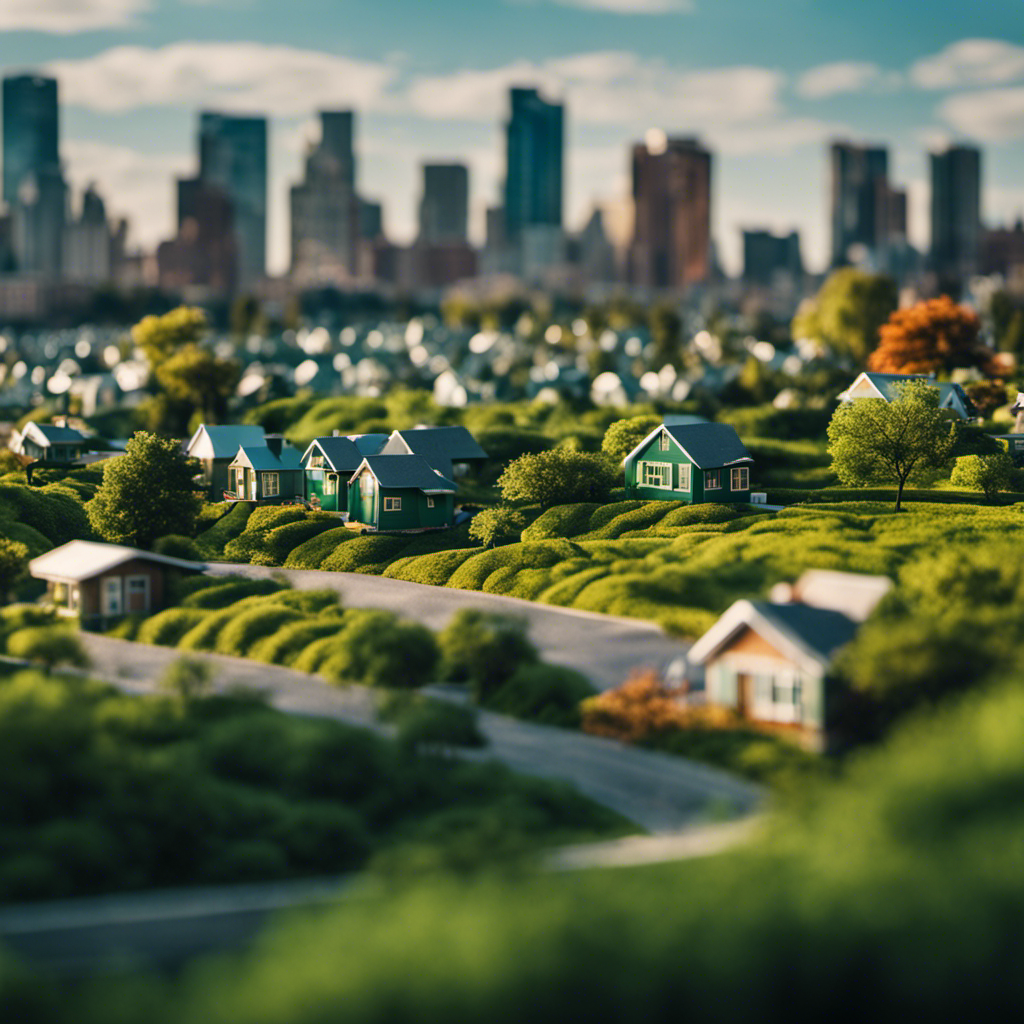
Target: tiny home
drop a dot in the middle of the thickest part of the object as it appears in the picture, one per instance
(694, 463)
(445, 448)
(400, 492)
(52, 444)
(268, 474)
(885, 386)
(328, 464)
(215, 447)
(103, 582)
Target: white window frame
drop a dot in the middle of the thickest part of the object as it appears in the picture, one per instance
(430, 501)
(316, 462)
(392, 504)
(712, 474)
(663, 442)
(330, 483)
(112, 587)
(664, 474)
(742, 473)
(1018, 444)
(271, 484)
(685, 476)
(144, 580)
(240, 482)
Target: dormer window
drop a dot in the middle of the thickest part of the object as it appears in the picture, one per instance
(663, 442)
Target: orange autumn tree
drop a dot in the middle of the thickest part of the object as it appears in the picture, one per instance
(933, 336)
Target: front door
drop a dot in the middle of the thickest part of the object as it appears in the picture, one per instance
(743, 694)
(137, 593)
(367, 494)
(112, 598)
(252, 486)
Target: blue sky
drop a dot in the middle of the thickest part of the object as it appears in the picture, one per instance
(765, 86)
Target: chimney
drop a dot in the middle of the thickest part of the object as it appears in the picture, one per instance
(274, 443)
(335, 432)
(60, 421)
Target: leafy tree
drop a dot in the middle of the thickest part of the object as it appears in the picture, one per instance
(987, 473)
(145, 494)
(497, 525)
(847, 312)
(872, 440)
(48, 646)
(160, 336)
(931, 336)
(199, 380)
(624, 435)
(557, 477)
(987, 396)
(13, 560)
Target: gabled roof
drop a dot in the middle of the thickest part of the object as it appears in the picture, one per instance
(706, 445)
(47, 434)
(83, 559)
(223, 442)
(951, 395)
(440, 446)
(809, 637)
(343, 454)
(265, 460)
(405, 471)
(369, 444)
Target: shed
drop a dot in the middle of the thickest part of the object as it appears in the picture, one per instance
(400, 492)
(442, 447)
(215, 447)
(328, 464)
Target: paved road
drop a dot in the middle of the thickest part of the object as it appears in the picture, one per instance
(604, 648)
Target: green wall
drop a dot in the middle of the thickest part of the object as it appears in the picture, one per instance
(675, 457)
(414, 514)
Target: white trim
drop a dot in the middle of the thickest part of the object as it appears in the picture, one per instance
(270, 477)
(739, 469)
(392, 504)
(688, 486)
(650, 436)
(430, 501)
(107, 591)
(642, 466)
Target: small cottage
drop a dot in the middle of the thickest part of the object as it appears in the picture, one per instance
(268, 474)
(100, 583)
(449, 450)
(51, 444)
(215, 447)
(885, 386)
(400, 492)
(697, 462)
(769, 660)
(328, 464)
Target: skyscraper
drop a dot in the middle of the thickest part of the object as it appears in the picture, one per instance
(766, 254)
(444, 207)
(672, 221)
(860, 184)
(956, 211)
(325, 211)
(233, 156)
(33, 183)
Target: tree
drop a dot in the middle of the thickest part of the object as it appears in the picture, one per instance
(987, 473)
(497, 525)
(624, 435)
(666, 328)
(484, 650)
(847, 312)
(13, 560)
(160, 336)
(145, 494)
(987, 396)
(872, 440)
(557, 477)
(199, 380)
(935, 335)
(48, 646)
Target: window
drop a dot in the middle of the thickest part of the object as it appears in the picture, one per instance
(739, 479)
(656, 474)
(684, 478)
(663, 442)
(392, 504)
(112, 595)
(136, 596)
(430, 502)
(330, 484)
(777, 697)
(316, 462)
(240, 482)
(713, 480)
(1018, 444)
(271, 485)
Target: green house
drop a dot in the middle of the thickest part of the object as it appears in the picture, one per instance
(693, 463)
(400, 492)
(268, 474)
(328, 464)
(447, 449)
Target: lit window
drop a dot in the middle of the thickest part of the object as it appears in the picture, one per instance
(271, 485)
(330, 484)
(684, 478)
(663, 442)
(712, 480)
(656, 474)
(430, 502)
(739, 479)
(392, 504)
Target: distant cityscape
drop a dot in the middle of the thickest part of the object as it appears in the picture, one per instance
(57, 249)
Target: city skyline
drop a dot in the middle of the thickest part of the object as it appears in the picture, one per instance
(767, 107)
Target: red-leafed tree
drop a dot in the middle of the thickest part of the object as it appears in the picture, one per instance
(936, 335)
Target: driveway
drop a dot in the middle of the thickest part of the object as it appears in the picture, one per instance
(604, 648)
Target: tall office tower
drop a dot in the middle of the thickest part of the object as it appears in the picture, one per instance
(204, 253)
(534, 149)
(766, 255)
(956, 211)
(233, 156)
(672, 223)
(371, 219)
(33, 183)
(325, 211)
(89, 245)
(444, 206)
(860, 181)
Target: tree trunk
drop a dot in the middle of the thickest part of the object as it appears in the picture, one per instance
(899, 493)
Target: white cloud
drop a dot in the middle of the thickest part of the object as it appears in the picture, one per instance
(993, 115)
(772, 135)
(970, 62)
(632, 6)
(832, 79)
(278, 80)
(65, 17)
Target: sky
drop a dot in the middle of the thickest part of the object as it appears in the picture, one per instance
(765, 86)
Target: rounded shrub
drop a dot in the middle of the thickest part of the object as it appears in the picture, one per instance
(484, 650)
(238, 636)
(436, 725)
(166, 628)
(213, 540)
(203, 635)
(550, 694)
(176, 546)
(315, 653)
(365, 554)
(433, 570)
(377, 649)
(224, 594)
(311, 553)
(284, 646)
(281, 541)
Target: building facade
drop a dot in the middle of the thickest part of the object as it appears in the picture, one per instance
(860, 199)
(956, 212)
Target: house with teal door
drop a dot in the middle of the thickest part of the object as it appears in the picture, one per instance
(328, 464)
(400, 492)
(699, 462)
(268, 474)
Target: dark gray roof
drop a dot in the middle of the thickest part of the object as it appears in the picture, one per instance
(710, 445)
(440, 446)
(368, 444)
(60, 435)
(226, 439)
(340, 452)
(951, 396)
(822, 630)
(407, 471)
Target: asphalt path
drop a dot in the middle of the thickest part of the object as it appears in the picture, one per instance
(604, 648)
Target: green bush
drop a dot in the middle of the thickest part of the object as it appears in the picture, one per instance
(484, 650)
(549, 694)
(176, 546)
(557, 477)
(365, 554)
(428, 725)
(498, 525)
(203, 635)
(238, 636)
(214, 540)
(377, 649)
(184, 586)
(48, 646)
(168, 627)
(561, 521)
(281, 541)
(284, 646)
(311, 553)
(317, 652)
(434, 570)
(223, 595)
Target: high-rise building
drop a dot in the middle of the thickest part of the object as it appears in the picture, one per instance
(33, 182)
(204, 252)
(860, 197)
(371, 219)
(233, 157)
(91, 249)
(765, 255)
(956, 211)
(535, 144)
(444, 206)
(672, 223)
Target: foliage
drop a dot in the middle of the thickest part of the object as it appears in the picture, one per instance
(311, 553)
(54, 511)
(624, 435)
(425, 725)
(556, 477)
(549, 694)
(145, 494)
(375, 648)
(484, 650)
(223, 591)
(213, 540)
(238, 636)
(986, 396)
(13, 564)
(177, 546)
(199, 380)
(261, 521)
(188, 679)
(987, 473)
(166, 628)
(934, 335)
(48, 646)
(871, 440)
(285, 645)
(497, 525)
(160, 336)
